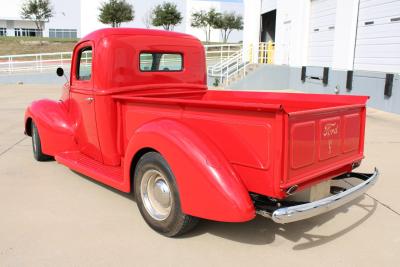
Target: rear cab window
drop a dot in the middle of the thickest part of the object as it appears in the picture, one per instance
(160, 62)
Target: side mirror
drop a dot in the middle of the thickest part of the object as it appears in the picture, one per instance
(60, 71)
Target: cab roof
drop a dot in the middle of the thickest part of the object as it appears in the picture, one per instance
(99, 34)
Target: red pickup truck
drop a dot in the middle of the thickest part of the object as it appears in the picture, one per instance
(136, 114)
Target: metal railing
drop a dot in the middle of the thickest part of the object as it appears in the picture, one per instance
(223, 60)
(34, 62)
(220, 52)
(237, 66)
(224, 69)
(219, 67)
(49, 61)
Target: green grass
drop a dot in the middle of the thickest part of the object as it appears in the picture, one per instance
(61, 40)
(33, 45)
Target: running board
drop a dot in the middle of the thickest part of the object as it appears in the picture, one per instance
(109, 175)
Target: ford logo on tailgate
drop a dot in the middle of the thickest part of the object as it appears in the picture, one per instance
(330, 129)
(330, 138)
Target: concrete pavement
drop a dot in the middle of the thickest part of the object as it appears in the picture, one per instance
(45, 77)
(51, 216)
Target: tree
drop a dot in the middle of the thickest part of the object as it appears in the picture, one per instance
(115, 12)
(147, 18)
(227, 23)
(166, 15)
(205, 20)
(37, 10)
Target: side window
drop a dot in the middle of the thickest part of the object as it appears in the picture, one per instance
(161, 61)
(84, 68)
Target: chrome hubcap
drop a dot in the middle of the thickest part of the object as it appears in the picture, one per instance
(156, 194)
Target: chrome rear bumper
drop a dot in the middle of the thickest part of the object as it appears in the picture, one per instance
(295, 213)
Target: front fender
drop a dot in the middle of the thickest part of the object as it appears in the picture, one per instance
(208, 186)
(55, 130)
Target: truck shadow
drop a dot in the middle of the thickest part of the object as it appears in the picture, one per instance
(262, 231)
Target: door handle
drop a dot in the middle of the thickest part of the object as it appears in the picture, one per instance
(89, 99)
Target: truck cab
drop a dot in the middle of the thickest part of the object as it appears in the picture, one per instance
(100, 66)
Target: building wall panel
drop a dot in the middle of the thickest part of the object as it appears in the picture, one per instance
(378, 36)
(321, 32)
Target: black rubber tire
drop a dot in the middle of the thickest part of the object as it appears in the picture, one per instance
(177, 223)
(37, 145)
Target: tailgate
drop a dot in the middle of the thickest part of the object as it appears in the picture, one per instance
(322, 141)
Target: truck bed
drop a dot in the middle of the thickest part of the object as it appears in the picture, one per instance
(289, 102)
(272, 140)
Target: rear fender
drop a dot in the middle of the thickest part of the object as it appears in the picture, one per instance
(208, 186)
(55, 130)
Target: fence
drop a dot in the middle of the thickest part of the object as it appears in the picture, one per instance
(50, 61)
(218, 53)
(34, 62)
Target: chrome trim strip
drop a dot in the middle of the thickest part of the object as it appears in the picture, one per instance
(308, 210)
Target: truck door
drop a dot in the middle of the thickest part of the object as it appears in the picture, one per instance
(83, 102)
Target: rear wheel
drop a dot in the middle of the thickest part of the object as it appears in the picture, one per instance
(37, 145)
(157, 197)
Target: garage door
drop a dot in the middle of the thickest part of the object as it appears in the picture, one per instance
(378, 36)
(321, 32)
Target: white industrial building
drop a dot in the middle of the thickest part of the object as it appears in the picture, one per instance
(76, 18)
(326, 46)
(340, 34)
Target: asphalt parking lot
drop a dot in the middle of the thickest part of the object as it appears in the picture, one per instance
(52, 216)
